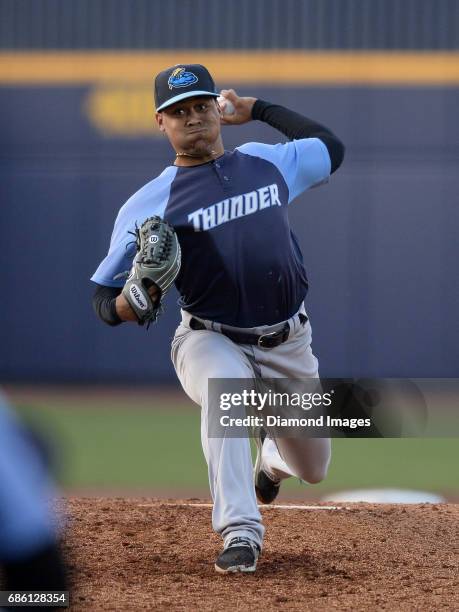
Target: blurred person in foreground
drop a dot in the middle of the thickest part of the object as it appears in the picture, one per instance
(30, 554)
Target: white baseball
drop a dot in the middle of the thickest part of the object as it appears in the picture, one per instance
(226, 106)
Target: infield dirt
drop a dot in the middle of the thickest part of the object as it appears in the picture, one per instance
(144, 554)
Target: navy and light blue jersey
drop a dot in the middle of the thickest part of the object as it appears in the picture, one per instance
(241, 262)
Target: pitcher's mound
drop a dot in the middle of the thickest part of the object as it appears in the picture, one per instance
(142, 554)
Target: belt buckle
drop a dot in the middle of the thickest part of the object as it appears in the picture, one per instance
(271, 336)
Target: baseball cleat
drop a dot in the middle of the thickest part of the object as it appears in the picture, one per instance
(241, 555)
(266, 488)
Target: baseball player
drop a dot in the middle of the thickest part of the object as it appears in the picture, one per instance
(30, 554)
(242, 281)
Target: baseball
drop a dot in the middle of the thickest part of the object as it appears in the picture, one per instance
(226, 106)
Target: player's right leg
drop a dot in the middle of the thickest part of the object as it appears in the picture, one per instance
(198, 356)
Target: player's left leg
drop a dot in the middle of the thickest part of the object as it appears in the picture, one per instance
(304, 458)
(307, 459)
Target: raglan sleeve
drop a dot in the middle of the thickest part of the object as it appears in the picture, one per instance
(148, 201)
(303, 163)
(120, 253)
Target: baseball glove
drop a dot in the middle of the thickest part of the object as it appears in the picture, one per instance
(157, 262)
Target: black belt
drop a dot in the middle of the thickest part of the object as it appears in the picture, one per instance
(269, 340)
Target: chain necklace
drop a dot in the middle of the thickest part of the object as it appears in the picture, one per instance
(193, 156)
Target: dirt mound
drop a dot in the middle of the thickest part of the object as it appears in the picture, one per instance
(142, 554)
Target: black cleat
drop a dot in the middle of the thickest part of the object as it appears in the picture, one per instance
(241, 555)
(266, 488)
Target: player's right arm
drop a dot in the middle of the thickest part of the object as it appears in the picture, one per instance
(296, 127)
(313, 153)
(293, 125)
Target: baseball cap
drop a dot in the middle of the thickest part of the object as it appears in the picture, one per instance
(180, 82)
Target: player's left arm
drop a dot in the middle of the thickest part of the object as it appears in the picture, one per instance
(111, 306)
(104, 304)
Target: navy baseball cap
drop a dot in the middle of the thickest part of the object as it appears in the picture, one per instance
(180, 82)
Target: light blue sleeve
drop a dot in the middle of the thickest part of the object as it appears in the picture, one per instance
(150, 200)
(303, 163)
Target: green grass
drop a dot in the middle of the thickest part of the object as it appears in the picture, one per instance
(160, 449)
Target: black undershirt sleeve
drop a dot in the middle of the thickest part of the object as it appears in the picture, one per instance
(104, 305)
(295, 126)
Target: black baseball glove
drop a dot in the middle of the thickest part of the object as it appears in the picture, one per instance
(157, 262)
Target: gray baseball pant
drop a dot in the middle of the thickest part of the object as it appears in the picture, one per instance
(198, 355)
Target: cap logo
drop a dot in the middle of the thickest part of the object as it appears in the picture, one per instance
(181, 78)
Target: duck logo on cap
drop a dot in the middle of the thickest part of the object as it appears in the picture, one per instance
(181, 78)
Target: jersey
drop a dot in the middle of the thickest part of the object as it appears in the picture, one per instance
(241, 262)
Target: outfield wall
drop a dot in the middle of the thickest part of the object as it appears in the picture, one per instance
(380, 241)
(241, 24)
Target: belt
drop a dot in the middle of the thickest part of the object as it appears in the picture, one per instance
(269, 340)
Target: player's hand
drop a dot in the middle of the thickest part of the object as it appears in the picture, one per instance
(124, 310)
(242, 108)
